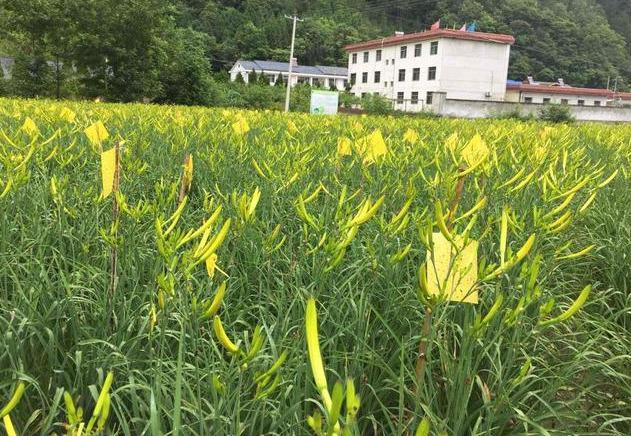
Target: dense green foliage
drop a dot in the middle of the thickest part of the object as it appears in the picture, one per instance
(166, 50)
(514, 369)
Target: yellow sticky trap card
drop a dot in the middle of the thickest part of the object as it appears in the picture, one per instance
(241, 126)
(67, 115)
(96, 133)
(453, 273)
(344, 147)
(475, 151)
(30, 127)
(108, 167)
(410, 136)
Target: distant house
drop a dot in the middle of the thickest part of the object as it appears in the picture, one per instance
(6, 64)
(530, 91)
(319, 75)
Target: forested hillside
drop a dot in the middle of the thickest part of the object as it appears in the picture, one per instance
(172, 50)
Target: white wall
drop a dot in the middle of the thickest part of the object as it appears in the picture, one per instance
(464, 69)
(486, 109)
(471, 69)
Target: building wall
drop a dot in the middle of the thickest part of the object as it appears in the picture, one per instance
(485, 109)
(464, 69)
(515, 96)
(472, 70)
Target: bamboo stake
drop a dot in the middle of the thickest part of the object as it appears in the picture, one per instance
(113, 284)
(184, 183)
(421, 360)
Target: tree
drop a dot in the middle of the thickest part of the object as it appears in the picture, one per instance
(31, 77)
(119, 47)
(253, 78)
(263, 79)
(279, 81)
(186, 76)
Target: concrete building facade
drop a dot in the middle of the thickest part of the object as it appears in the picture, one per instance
(319, 75)
(409, 69)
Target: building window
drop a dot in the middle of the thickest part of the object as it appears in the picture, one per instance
(364, 77)
(565, 101)
(365, 56)
(354, 58)
(400, 97)
(546, 100)
(431, 73)
(376, 94)
(417, 50)
(391, 83)
(377, 76)
(353, 78)
(596, 102)
(404, 52)
(363, 95)
(429, 97)
(378, 56)
(581, 102)
(385, 84)
(387, 61)
(527, 99)
(401, 75)
(414, 99)
(433, 48)
(392, 61)
(416, 74)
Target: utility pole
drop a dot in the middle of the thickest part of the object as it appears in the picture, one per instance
(291, 59)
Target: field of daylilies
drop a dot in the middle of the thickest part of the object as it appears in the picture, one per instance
(191, 271)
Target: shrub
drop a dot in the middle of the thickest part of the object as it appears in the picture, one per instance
(301, 98)
(348, 100)
(514, 114)
(556, 113)
(376, 104)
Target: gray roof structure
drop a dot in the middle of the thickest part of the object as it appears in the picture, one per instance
(283, 67)
(6, 64)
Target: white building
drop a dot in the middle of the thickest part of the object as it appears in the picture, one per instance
(319, 75)
(560, 93)
(408, 68)
(6, 64)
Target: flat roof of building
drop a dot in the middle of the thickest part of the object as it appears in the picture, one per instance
(432, 34)
(541, 88)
